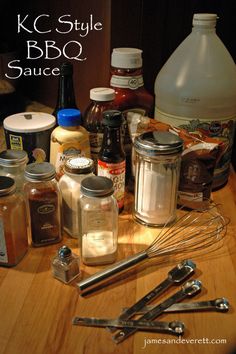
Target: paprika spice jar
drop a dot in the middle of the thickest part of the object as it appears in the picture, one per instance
(13, 234)
(43, 204)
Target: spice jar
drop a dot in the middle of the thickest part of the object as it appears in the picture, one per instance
(65, 265)
(12, 164)
(158, 157)
(76, 169)
(99, 221)
(43, 203)
(13, 223)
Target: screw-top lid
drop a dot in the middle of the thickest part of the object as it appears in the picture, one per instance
(112, 118)
(29, 122)
(69, 117)
(79, 165)
(158, 143)
(97, 186)
(205, 20)
(7, 185)
(126, 58)
(43, 171)
(13, 157)
(102, 94)
(66, 69)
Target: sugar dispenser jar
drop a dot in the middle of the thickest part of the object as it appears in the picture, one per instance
(157, 170)
(99, 221)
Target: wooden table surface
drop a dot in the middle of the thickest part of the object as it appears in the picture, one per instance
(36, 310)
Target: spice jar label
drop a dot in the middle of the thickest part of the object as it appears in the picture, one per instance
(116, 172)
(3, 248)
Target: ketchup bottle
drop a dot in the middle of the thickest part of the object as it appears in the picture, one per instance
(111, 158)
(131, 96)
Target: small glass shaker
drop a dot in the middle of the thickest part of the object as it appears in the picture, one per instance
(65, 266)
(157, 171)
(99, 221)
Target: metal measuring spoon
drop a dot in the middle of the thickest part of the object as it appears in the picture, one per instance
(219, 305)
(174, 327)
(188, 289)
(175, 276)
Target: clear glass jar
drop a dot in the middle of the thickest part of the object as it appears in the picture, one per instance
(43, 204)
(157, 170)
(12, 164)
(13, 223)
(99, 221)
(76, 169)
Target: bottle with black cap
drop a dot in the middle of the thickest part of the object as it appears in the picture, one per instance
(66, 94)
(111, 159)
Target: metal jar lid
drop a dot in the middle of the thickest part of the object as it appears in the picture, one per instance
(43, 171)
(7, 185)
(97, 186)
(13, 157)
(158, 143)
(79, 165)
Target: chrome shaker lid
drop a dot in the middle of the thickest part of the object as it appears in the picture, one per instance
(43, 171)
(158, 143)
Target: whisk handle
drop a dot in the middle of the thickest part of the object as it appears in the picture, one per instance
(96, 279)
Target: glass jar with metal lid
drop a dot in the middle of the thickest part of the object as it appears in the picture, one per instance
(158, 158)
(99, 221)
(43, 203)
(12, 164)
(76, 169)
(13, 223)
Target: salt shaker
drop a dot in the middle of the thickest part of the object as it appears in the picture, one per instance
(158, 158)
(99, 220)
(65, 265)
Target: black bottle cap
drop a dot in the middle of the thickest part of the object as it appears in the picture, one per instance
(66, 68)
(112, 118)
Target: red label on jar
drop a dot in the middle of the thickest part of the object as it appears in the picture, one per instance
(116, 172)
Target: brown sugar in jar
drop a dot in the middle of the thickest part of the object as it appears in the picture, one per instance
(13, 224)
(43, 204)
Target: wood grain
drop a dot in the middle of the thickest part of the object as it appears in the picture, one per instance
(36, 310)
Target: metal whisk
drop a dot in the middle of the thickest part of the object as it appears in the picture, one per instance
(195, 230)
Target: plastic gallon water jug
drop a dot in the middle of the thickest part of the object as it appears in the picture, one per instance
(196, 90)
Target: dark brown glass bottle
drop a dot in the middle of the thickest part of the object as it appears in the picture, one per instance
(111, 158)
(66, 94)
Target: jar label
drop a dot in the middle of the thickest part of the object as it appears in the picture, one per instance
(95, 140)
(3, 248)
(46, 209)
(72, 149)
(116, 172)
(16, 142)
(131, 82)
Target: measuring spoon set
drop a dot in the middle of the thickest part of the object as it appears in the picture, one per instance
(127, 326)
